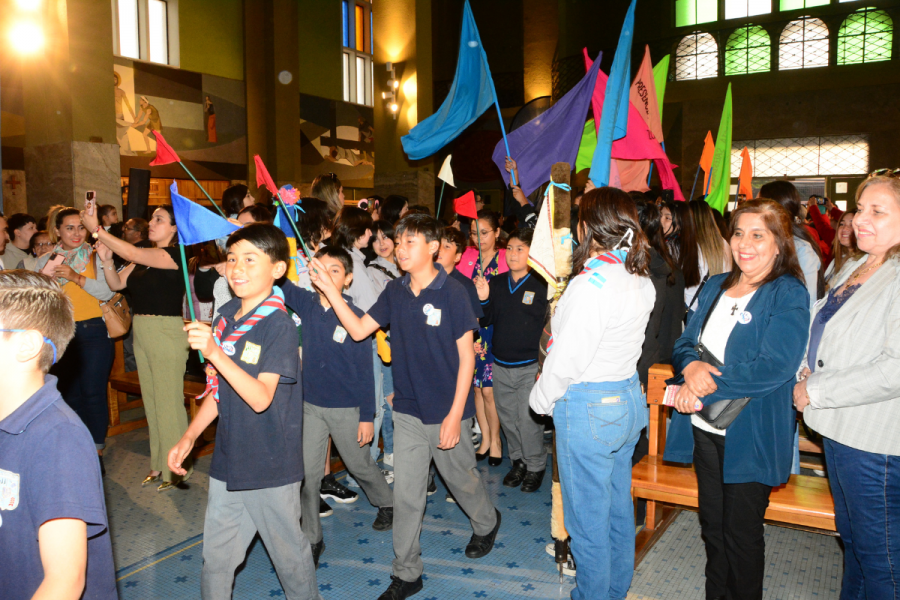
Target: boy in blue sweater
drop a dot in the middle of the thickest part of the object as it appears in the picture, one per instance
(257, 466)
(433, 354)
(515, 303)
(338, 398)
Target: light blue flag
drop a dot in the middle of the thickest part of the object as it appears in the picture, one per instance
(197, 224)
(614, 117)
(470, 95)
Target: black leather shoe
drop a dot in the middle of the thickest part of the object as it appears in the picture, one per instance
(516, 475)
(385, 519)
(495, 462)
(317, 550)
(533, 481)
(399, 589)
(480, 457)
(481, 545)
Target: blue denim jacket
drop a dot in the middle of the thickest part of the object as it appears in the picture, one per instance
(761, 361)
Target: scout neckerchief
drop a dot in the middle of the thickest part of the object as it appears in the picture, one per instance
(271, 304)
(76, 258)
(615, 257)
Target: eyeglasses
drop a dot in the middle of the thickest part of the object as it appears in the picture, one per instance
(39, 244)
(46, 339)
(885, 173)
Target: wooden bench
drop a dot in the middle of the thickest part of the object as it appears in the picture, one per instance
(124, 383)
(803, 501)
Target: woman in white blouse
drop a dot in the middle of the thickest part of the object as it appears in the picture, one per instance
(590, 385)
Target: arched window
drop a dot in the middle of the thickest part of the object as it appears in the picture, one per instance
(748, 50)
(865, 36)
(804, 44)
(697, 57)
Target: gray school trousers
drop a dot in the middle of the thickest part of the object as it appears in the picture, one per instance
(415, 444)
(343, 426)
(232, 521)
(524, 434)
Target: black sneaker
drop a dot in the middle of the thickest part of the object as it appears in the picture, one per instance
(317, 550)
(533, 481)
(516, 475)
(399, 589)
(385, 519)
(432, 486)
(331, 488)
(324, 509)
(481, 545)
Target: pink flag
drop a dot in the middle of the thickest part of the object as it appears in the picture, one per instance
(638, 144)
(643, 96)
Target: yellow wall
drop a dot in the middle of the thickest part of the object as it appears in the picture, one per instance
(212, 36)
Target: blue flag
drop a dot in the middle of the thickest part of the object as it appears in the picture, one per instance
(195, 223)
(614, 117)
(551, 137)
(470, 95)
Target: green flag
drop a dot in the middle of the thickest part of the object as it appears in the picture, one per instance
(720, 185)
(660, 76)
(587, 147)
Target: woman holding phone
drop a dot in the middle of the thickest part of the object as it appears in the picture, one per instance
(83, 369)
(160, 343)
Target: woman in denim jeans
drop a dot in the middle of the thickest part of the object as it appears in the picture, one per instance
(590, 385)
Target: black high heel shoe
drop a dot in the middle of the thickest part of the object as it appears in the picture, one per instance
(495, 462)
(481, 457)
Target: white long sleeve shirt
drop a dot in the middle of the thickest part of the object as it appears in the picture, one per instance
(598, 330)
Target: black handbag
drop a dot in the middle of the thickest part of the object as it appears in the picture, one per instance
(722, 413)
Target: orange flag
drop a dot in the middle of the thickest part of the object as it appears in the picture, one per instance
(744, 182)
(706, 159)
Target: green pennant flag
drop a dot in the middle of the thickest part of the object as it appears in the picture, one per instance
(586, 147)
(720, 185)
(660, 76)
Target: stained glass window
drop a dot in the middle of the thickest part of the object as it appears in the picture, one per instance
(692, 12)
(804, 44)
(865, 36)
(697, 57)
(798, 4)
(748, 50)
(735, 9)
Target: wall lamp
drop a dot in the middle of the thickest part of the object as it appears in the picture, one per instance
(392, 95)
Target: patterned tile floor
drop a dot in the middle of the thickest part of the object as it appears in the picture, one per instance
(157, 542)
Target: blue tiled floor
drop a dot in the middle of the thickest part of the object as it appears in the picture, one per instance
(357, 560)
(158, 543)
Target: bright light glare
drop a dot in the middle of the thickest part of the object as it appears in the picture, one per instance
(28, 4)
(26, 37)
(394, 107)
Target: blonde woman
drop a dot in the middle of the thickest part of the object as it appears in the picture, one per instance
(328, 188)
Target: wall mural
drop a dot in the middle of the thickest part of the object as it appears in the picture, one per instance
(203, 117)
(337, 137)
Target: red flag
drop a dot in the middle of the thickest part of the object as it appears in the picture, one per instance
(263, 178)
(164, 153)
(744, 185)
(465, 205)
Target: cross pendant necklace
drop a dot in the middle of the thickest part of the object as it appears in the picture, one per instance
(734, 309)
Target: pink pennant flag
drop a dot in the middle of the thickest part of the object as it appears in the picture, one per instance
(639, 143)
(643, 96)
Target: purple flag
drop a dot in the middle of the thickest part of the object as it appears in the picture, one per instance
(551, 137)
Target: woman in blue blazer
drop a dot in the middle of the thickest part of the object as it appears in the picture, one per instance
(755, 321)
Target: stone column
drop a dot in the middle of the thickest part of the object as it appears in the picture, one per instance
(540, 20)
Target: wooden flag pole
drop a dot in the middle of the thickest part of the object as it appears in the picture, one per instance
(187, 290)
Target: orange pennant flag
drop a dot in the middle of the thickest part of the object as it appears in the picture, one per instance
(746, 177)
(706, 159)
